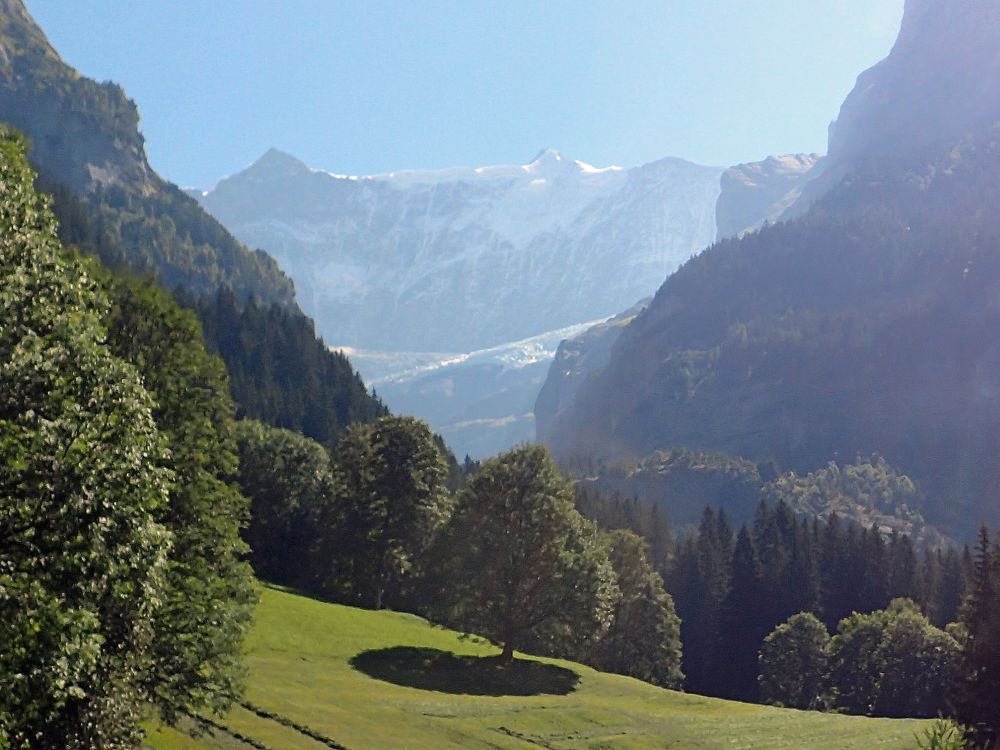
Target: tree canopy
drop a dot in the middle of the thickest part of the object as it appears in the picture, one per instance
(207, 602)
(522, 567)
(393, 478)
(82, 480)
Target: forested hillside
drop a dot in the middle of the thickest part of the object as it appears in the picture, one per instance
(87, 149)
(85, 137)
(867, 326)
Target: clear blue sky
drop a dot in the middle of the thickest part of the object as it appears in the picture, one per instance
(366, 86)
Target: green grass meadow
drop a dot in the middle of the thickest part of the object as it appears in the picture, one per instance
(424, 696)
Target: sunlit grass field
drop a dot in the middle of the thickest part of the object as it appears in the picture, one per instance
(304, 694)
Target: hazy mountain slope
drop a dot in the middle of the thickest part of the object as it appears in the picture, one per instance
(481, 402)
(870, 325)
(941, 81)
(86, 139)
(465, 259)
(762, 191)
(575, 360)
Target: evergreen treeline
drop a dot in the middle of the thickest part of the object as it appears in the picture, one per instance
(977, 695)
(732, 587)
(280, 372)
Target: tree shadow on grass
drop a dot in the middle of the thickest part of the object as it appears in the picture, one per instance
(431, 669)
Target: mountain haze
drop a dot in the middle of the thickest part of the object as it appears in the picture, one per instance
(458, 260)
(868, 325)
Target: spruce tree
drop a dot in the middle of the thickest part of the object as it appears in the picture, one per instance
(978, 700)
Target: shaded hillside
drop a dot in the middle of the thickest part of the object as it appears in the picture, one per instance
(85, 136)
(869, 325)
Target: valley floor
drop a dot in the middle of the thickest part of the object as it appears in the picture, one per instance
(304, 694)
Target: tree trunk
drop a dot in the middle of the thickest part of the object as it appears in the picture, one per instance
(507, 656)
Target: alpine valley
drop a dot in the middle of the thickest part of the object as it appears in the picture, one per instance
(451, 289)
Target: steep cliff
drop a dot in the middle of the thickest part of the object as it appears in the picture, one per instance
(86, 141)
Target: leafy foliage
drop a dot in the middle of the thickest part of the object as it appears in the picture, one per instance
(293, 533)
(519, 564)
(794, 662)
(393, 475)
(644, 638)
(81, 477)
(942, 735)
(892, 663)
(206, 605)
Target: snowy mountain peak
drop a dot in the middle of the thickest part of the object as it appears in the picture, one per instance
(546, 157)
(465, 258)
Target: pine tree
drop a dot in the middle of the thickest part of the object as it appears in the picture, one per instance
(978, 700)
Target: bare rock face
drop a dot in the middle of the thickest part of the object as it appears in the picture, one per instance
(459, 260)
(940, 82)
(761, 191)
(85, 135)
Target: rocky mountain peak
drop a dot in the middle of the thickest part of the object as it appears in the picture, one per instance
(276, 163)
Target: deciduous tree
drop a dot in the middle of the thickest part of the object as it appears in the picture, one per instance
(81, 477)
(523, 566)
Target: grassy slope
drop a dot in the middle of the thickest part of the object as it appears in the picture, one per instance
(298, 659)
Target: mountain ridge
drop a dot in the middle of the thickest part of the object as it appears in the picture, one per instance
(380, 260)
(865, 326)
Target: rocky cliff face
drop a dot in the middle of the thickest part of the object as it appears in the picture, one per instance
(762, 191)
(576, 359)
(940, 82)
(84, 134)
(464, 259)
(85, 141)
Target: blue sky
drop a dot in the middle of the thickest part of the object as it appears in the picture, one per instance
(367, 87)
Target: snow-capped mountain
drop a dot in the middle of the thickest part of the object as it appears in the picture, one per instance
(463, 259)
